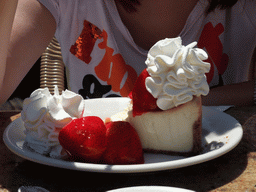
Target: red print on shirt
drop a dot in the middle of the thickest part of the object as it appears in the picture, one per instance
(83, 46)
(209, 40)
(112, 68)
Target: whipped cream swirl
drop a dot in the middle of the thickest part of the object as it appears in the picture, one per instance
(44, 115)
(177, 72)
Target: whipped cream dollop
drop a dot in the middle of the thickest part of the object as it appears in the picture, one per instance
(177, 72)
(44, 115)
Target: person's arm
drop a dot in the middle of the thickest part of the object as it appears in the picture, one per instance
(26, 29)
(7, 12)
(240, 94)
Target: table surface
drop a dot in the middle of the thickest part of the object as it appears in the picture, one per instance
(234, 171)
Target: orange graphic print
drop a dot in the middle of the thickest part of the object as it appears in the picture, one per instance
(112, 68)
(209, 40)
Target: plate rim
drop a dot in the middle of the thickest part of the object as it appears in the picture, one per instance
(138, 168)
(153, 187)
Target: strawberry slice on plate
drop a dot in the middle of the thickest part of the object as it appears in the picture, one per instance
(123, 144)
(84, 139)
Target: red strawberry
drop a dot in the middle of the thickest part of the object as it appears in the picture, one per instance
(143, 101)
(123, 144)
(84, 139)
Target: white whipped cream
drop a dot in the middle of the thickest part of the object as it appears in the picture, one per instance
(44, 115)
(177, 72)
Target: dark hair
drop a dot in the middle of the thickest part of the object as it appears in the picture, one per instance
(130, 5)
(220, 4)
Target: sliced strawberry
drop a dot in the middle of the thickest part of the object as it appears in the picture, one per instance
(84, 139)
(143, 101)
(130, 95)
(123, 144)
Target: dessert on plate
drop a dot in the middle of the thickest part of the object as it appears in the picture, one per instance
(55, 127)
(164, 115)
(44, 115)
(166, 108)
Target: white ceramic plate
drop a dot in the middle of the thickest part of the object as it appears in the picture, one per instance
(150, 189)
(221, 133)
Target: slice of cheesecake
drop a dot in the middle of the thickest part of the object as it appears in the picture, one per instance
(174, 131)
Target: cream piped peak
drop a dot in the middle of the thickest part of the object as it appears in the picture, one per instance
(177, 72)
(44, 115)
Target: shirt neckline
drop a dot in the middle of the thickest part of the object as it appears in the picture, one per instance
(197, 12)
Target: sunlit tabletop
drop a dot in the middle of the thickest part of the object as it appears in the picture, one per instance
(234, 171)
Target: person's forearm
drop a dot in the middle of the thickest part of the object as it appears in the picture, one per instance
(240, 94)
(7, 12)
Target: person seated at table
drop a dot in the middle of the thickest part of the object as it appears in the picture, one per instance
(105, 42)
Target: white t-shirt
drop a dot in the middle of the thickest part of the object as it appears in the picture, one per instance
(102, 59)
